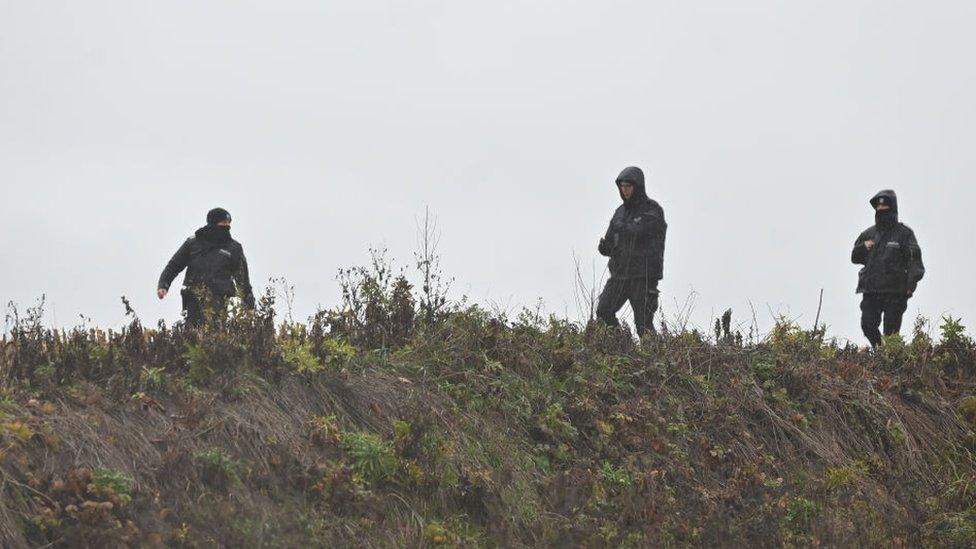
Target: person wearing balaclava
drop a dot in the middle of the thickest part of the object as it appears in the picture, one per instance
(634, 242)
(892, 261)
(216, 269)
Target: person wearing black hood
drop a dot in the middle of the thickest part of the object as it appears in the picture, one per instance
(634, 242)
(216, 269)
(892, 261)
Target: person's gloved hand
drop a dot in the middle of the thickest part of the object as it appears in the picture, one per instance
(605, 247)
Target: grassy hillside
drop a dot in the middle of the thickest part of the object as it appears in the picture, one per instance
(399, 420)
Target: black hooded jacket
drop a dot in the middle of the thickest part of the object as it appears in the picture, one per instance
(213, 260)
(894, 264)
(634, 242)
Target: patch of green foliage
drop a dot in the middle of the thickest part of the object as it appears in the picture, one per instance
(220, 467)
(339, 351)
(895, 351)
(98, 354)
(763, 367)
(836, 478)
(371, 457)
(453, 533)
(953, 332)
(615, 477)
(198, 361)
(300, 356)
(799, 516)
(326, 428)
(109, 483)
(152, 378)
(554, 423)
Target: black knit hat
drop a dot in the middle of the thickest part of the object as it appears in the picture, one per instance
(217, 216)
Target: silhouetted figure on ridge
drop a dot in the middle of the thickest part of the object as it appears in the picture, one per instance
(893, 267)
(216, 269)
(634, 242)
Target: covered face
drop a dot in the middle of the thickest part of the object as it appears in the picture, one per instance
(887, 198)
(885, 204)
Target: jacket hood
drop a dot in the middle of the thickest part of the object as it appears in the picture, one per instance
(213, 234)
(887, 196)
(217, 215)
(635, 176)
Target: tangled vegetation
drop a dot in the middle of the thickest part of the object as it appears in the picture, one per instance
(398, 419)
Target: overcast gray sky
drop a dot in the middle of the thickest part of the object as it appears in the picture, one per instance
(327, 126)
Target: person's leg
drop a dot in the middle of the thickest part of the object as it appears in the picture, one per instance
(612, 298)
(644, 300)
(894, 310)
(653, 299)
(871, 308)
(214, 309)
(192, 308)
(213, 306)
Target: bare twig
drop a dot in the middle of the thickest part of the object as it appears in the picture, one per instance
(816, 323)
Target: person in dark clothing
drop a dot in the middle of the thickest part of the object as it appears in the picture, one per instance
(892, 261)
(216, 269)
(634, 242)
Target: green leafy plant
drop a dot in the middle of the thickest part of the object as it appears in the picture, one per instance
(326, 428)
(98, 354)
(763, 367)
(836, 478)
(895, 351)
(554, 423)
(219, 467)
(372, 458)
(800, 513)
(198, 360)
(299, 356)
(111, 484)
(436, 533)
(453, 533)
(338, 351)
(152, 378)
(615, 477)
(953, 332)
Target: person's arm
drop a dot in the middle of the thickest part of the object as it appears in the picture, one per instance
(607, 242)
(243, 281)
(916, 269)
(659, 241)
(859, 256)
(175, 266)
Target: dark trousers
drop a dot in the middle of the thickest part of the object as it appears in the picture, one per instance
(643, 296)
(194, 306)
(891, 306)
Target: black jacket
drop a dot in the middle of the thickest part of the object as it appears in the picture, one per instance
(894, 263)
(213, 260)
(634, 242)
